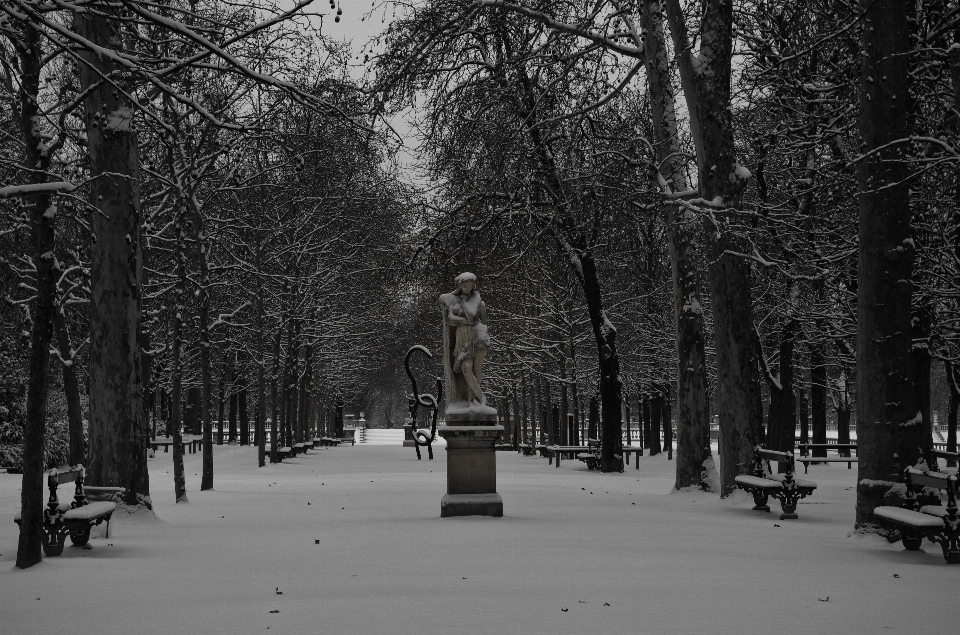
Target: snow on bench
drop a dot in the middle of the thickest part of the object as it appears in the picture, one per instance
(75, 518)
(938, 524)
(783, 487)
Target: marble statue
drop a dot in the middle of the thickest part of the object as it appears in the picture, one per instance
(465, 345)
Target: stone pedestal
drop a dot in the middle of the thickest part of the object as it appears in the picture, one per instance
(408, 441)
(471, 466)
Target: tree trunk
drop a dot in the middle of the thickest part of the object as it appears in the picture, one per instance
(555, 424)
(889, 433)
(668, 421)
(644, 410)
(787, 412)
(626, 418)
(564, 404)
(706, 87)
(818, 397)
(71, 388)
(952, 382)
(117, 452)
(203, 319)
(261, 373)
(517, 421)
(656, 417)
(243, 414)
(306, 380)
(536, 409)
(176, 365)
(42, 226)
(594, 417)
(221, 403)
(920, 366)
(527, 438)
(232, 400)
(803, 409)
(693, 420)
(274, 401)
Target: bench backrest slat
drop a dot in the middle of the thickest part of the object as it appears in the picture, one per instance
(66, 474)
(940, 480)
(773, 455)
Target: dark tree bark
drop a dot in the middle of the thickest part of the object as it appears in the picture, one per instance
(118, 450)
(71, 388)
(656, 419)
(953, 383)
(261, 369)
(555, 424)
(668, 421)
(274, 397)
(594, 417)
(706, 87)
(306, 381)
(243, 414)
(221, 404)
(920, 367)
(818, 397)
(644, 411)
(803, 410)
(889, 433)
(693, 417)
(206, 372)
(527, 436)
(626, 418)
(193, 417)
(42, 243)
(232, 410)
(176, 364)
(564, 403)
(641, 437)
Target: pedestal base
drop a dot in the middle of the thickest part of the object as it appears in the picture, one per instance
(471, 505)
(408, 441)
(471, 471)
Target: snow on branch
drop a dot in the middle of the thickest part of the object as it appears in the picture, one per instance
(36, 188)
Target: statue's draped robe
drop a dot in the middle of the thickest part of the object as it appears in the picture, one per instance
(473, 334)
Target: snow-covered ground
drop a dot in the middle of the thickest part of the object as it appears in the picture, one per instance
(576, 552)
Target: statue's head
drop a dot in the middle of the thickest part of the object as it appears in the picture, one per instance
(466, 282)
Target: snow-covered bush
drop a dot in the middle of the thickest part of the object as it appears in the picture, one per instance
(56, 438)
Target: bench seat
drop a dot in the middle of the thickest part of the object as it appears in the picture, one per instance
(783, 487)
(909, 518)
(934, 522)
(801, 483)
(756, 481)
(75, 518)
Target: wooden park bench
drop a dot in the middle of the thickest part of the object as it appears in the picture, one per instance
(556, 451)
(915, 521)
(526, 449)
(166, 444)
(300, 448)
(949, 456)
(636, 449)
(74, 518)
(284, 453)
(326, 442)
(784, 487)
(807, 459)
(541, 449)
(593, 458)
